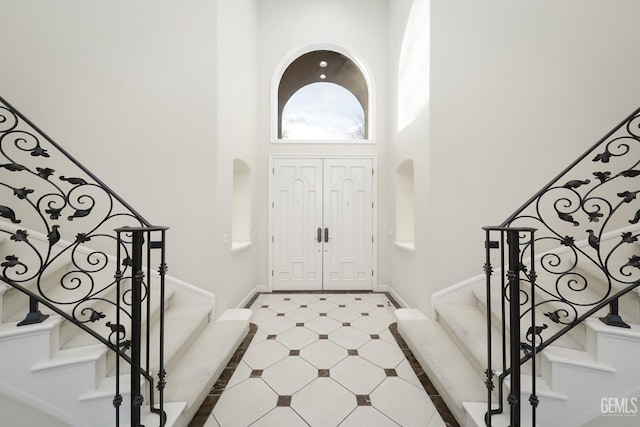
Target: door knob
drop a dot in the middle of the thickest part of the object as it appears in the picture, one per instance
(319, 235)
(326, 235)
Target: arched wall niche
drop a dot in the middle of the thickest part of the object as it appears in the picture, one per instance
(405, 205)
(241, 206)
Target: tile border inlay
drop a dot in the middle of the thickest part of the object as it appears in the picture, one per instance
(205, 410)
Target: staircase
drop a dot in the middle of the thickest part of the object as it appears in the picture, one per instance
(575, 300)
(71, 360)
(56, 368)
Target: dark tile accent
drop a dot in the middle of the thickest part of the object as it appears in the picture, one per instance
(363, 400)
(294, 352)
(271, 337)
(256, 373)
(265, 306)
(303, 306)
(346, 324)
(223, 380)
(284, 401)
(390, 372)
(299, 324)
(364, 314)
(444, 412)
(323, 373)
(431, 390)
(323, 314)
(379, 305)
(342, 306)
(323, 337)
(358, 299)
(204, 412)
(287, 299)
(323, 299)
(392, 300)
(352, 352)
(375, 336)
(252, 300)
(280, 314)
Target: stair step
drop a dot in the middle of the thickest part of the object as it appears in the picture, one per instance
(467, 326)
(573, 339)
(199, 368)
(182, 327)
(76, 338)
(70, 357)
(451, 372)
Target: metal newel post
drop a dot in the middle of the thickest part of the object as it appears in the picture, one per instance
(513, 240)
(136, 308)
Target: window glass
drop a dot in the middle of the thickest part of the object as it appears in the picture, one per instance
(322, 111)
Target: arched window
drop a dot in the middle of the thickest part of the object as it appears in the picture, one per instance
(323, 95)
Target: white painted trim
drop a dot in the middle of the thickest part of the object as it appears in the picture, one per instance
(406, 246)
(374, 196)
(239, 246)
(321, 44)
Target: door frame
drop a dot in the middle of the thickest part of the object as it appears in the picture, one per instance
(374, 162)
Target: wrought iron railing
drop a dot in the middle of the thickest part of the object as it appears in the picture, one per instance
(585, 228)
(75, 248)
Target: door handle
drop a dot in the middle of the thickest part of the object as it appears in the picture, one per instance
(326, 235)
(319, 235)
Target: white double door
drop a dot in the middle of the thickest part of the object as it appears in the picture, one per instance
(322, 222)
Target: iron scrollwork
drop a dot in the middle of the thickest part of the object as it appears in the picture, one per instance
(55, 216)
(591, 199)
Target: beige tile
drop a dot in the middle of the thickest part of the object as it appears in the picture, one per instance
(403, 402)
(232, 408)
(368, 416)
(289, 375)
(357, 375)
(323, 402)
(323, 354)
(280, 417)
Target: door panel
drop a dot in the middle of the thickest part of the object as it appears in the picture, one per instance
(335, 195)
(297, 213)
(348, 214)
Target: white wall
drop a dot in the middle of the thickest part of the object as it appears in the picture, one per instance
(518, 91)
(235, 273)
(409, 70)
(285, 26)
(129, 89)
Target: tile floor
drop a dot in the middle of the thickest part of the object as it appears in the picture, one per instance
(323, 360)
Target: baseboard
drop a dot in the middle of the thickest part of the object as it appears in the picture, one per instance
(258, 289)
(394, 294)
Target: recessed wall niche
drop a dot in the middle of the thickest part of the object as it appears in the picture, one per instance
(241, 206)
(405, 206)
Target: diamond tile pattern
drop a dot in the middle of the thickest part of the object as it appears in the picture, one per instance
(323, 360)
